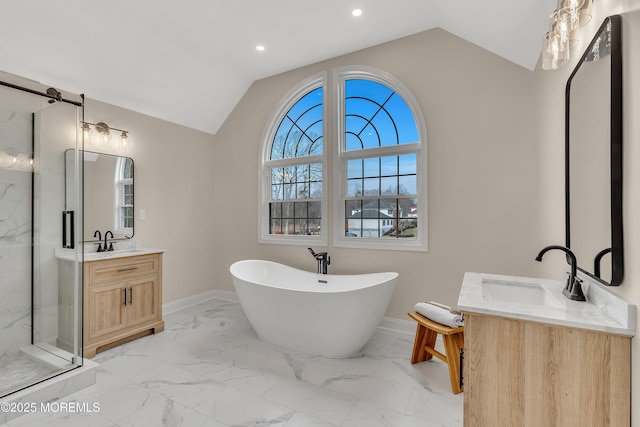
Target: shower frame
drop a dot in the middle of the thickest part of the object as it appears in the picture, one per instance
(75, 358)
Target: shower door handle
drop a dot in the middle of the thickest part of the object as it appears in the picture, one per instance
(124, 291)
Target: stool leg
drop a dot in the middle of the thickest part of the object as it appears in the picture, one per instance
(452, 345)
(429, 342)
(418, 344)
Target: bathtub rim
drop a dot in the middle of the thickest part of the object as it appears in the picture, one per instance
(387, 276)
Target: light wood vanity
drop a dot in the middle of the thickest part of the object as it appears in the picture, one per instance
(122, 300)
(552, 363)
(521, 373)
(121, 293)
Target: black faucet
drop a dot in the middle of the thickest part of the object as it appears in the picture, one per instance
(323, 259)
(99, 235)
(105, 241)
(573, 289)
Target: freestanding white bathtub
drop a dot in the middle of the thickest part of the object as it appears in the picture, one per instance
(297, 309)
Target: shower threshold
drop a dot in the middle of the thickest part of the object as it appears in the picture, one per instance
(59, 378)
(31, 365)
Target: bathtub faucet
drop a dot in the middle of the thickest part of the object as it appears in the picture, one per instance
(323, 259)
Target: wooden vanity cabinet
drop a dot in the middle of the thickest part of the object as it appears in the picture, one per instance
(122, 300)
(524, 373)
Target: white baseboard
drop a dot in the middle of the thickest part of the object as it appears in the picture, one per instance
(398, 325)
(387, 323)
(192, 300)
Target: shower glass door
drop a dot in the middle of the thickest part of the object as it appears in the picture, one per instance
(40, 296)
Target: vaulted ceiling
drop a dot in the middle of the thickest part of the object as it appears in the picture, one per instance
(190, 61)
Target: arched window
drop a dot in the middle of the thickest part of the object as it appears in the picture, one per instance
(382, 156)
(292, 169)
(124, 196)
(378, 154)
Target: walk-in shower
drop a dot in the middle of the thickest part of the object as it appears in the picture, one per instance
(37, 309)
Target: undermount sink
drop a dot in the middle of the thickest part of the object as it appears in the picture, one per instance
(518, 292)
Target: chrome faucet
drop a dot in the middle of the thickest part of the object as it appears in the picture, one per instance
(99, 236)
(573, 289)
(105, 241)
(323, 259)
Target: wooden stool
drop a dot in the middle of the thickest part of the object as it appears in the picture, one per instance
(424, 346)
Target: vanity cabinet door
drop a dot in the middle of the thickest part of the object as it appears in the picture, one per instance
(141, 301)
(107, 312)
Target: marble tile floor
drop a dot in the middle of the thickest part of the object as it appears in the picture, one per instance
(18, 369)
(208, 368)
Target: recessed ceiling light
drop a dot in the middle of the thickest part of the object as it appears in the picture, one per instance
(356, 12)
(260, 48)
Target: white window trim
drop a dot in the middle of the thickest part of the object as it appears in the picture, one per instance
(264, 176)
(420, 244)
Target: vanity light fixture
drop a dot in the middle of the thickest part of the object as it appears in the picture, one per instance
(101, 139)
(11, 159)
(564, 23)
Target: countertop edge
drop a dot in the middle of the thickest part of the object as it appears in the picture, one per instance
(551, 322)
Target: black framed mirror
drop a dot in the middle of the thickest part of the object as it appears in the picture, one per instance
(108, 188)
(593, 156)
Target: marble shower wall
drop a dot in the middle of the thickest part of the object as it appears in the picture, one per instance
(15, 233)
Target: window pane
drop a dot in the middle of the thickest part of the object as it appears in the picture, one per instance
(371, 167)
(315, 190)
(127, 195)
(404, 120)
(389, 185)
(376, 116)
(274, 226)
(275, 210)
(300, 132)
(276, 192)
(126, 217)
(408, 164)
(315, 210)
(353, 223)
(127, 172)
(354, 188)
(389, 166)
(300, 226)
(287, 210)
(372, 187)
(407, 185)
(301, 210)
(354, 168)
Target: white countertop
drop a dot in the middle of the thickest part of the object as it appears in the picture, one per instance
(69, 254)
(603, 311)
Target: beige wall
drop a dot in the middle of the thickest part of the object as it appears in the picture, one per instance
(551, 86)
(174, 173)
(478, 110)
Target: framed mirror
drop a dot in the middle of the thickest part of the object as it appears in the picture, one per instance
(593, 144)
(107, 183)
